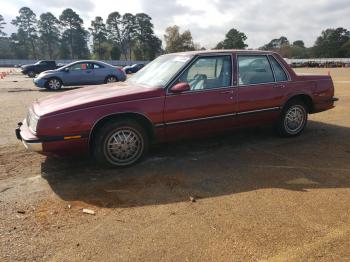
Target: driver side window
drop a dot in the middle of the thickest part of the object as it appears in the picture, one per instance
(208, 73)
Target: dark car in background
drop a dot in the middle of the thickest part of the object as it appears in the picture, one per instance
(132, 69)
(43, 65)
(87, 72)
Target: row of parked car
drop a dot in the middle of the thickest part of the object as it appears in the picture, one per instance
(87, 72)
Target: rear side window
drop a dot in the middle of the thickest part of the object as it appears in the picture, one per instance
(280, 74)
(96, 66)
(254, 70)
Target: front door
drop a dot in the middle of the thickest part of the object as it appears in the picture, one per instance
(209, 105)
(79, 74)
(261, 89)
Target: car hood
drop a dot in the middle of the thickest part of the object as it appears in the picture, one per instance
(86, 97)
(47, 73)
(27, 66)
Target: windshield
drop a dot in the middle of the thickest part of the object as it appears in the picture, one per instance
(160, 71)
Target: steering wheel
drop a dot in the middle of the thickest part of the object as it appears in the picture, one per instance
(196, 79)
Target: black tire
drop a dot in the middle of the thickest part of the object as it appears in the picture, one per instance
(127, 137)
(31, 74)
(54, 84)
(111, 79)
(293, 119)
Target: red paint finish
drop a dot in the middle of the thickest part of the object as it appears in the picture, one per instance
(199, 105)
(172, 115)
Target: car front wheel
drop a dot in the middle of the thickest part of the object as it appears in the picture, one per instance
(293, 119)
(120, 143)
(54, 84)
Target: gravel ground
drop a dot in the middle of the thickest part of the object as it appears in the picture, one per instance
(258, 197)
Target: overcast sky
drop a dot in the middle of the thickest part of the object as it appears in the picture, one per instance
(207, 20)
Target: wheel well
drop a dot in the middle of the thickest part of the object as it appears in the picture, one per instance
(109, 76)
(306, 99)
(54, 77)
(139, 118)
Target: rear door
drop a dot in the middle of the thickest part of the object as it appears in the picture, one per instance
(100, 73)
(209, 105)
(262, 84)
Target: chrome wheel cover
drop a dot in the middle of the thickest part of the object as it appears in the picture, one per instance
(111, 79)
(124, 146)
(295, 119)
(54, 84)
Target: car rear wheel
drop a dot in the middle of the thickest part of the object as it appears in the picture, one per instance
(120, 143)
(31, 74)
(54, 84)
(111, 79)
(293, 119)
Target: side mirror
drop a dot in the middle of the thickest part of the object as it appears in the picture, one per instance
(180, 87)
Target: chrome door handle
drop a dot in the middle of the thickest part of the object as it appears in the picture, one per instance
(227, 92)
(280, 86)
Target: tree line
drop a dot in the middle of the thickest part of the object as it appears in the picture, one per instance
(125, 36)
(131, 37)
(332, 43)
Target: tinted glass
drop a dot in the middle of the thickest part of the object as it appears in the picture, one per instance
(81, 66)
(280, 74)
(254, 70)
(208, 73)
(96, 66)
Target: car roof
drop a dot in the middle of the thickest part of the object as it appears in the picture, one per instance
(218, 51)
(91, 61)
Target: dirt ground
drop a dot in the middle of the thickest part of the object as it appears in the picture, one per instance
(258, 197)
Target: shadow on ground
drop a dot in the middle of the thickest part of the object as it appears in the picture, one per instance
(242, 161)
(60, 90)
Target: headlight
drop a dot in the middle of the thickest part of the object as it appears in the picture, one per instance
(32, 120)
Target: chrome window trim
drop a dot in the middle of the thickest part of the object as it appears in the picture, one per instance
(202, 90)
(190, 63)
(273, 71)
(237, 74)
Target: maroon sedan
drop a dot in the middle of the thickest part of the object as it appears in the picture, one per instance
(176, 96)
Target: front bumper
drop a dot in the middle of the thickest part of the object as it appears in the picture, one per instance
(39, 82)
(29, 141)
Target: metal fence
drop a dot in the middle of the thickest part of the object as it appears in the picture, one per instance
(318, 60)
(13, 62)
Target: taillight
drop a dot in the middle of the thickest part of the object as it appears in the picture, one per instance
(120, 70)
